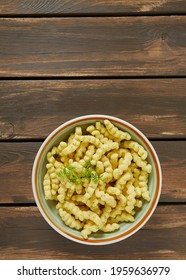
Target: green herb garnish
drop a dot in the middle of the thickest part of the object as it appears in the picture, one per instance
(70, 174)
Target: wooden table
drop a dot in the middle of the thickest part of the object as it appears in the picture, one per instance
(63, 59)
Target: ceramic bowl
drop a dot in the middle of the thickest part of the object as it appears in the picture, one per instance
(47, 208)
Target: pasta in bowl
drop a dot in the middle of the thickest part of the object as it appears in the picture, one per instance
(96, 179)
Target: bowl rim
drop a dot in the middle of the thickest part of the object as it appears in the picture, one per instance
(152, 206)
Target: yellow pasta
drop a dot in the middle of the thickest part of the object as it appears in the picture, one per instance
(123, 165)
(47, 187)
(69, 220)
(114, 131)
(141, 163)
(137, 148)
(105, 214)
(88, 229)
(72, 146)
(98, 179)
(110, 227)
(110, 145)
(90, 139)
(106, 198)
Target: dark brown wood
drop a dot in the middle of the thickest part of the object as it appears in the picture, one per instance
(25, 235)
(32, 109)
(87, 47)
(16, 160)
(30, 7)
(121, 58)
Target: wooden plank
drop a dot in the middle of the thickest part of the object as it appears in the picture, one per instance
(25, 235)
(16, 160)
(89, 46)
(34, 7)
(32, 109)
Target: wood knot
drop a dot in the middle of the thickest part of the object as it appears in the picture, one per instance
(6, 130)
(164, 36)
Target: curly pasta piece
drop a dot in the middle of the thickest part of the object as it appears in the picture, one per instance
(115, 132)
(145, 194)
(77, 166)
(143, 179)
(90, 128)
(72, 146)
(122, 166)
(62, 193)
(138, 203)
(99, 167)
(50, 168)
(58, 165)
(105, 214)
(89, 153)
(137, 148)
(124, 217)
(138, 191)
(90, 190)
(108, 199)
(69, 220)
(102, 150)
(96, 133)
(90, 139)
(141, 163)
(50, 158)
(103, 131)
(114, 160)
(106, 176)
(53, 179)
(78, 131)
(79, 188)
(115, 212)
(88, 229)
(130, 199)
(113, 191)
(110, 227)
(119, 207)
(62, 145)
(81, 151)
(55, 151)
(70, 189)
(82, 215)
(120, 183)
(92, 202)
(122, 200)
(47, 187)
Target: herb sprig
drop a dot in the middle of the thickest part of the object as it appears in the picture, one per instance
(70, 174)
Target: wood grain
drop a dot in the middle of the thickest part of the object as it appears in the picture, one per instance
(34, 7)
(16, 160)
(93, 47)
(32, 109)
(25, 235)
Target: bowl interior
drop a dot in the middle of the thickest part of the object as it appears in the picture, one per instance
(48, 209)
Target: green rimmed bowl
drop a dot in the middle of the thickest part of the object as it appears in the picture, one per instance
(48, 209)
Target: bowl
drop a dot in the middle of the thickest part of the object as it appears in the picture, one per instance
(48, 208)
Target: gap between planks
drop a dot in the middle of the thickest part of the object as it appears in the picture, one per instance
(81, 78)
(93, 15)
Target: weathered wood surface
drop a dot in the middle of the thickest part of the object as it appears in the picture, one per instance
(16, 160)
(78, 7)
(89, 47)
(25, 235)
(92, 39)
(32, 109)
